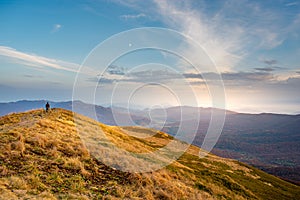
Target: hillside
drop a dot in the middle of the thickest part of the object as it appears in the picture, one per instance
(276, 137)
(42, 157)
(268, 141)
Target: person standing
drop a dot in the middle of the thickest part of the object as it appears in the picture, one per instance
(47, 106)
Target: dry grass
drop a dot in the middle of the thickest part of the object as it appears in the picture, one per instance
(76, 164)
(43, 156)
(160, 185)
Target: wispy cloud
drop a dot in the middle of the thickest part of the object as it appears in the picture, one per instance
(100, 80)
(269, 61)
(158, 75)
(129, 17)
(206, 32)
(33, 76)
(234, 76)
(118, 74)
(294, 27)
(265, 69)
(116, 70)
(167, 76)
(36, 61)
(56, 28)
(229, 31)
(295, 3)
(248, 76)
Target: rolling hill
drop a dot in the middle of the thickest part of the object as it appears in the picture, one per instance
(43, 156)
(268, 141)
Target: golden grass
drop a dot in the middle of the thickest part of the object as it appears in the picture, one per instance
(160, 185)
(43, 156)
(75, 163)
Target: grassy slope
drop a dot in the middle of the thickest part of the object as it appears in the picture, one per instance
(41, 155)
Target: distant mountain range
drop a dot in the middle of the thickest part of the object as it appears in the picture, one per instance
(270, 142)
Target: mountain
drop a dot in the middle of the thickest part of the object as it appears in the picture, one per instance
(103, 114)
(270, 142)
(20, 106)
(43, 156)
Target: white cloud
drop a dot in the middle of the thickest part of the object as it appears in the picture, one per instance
(36, 61)
(228, 31)
(231, 32)
(128, 17)
(292, 4)
(56, 28)
(219, 41)
(294, 27)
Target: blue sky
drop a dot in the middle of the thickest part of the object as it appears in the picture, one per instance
(255, 46)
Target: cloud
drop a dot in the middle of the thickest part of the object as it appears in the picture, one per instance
(101, 80)
(36, 61)
(135, 4)
(129, 17)
(248, 76)
(91, 9)
(269, 39)
(157, 76)
(229, 30)
(32, 76)
(270, 61)
(142, 76)
(210, 33)
(233, 76)
(292, 4)
(294, 27)
(233, 30)
(56, 28)
(265, 26)
(293, 80)
(116, 70)
(167, 76)
(264, 69)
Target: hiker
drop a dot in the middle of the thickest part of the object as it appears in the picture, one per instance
(47, 106)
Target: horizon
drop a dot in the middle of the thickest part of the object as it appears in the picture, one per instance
(140, 108)
(235, 55)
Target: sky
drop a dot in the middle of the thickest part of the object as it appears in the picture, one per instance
(153, 53)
